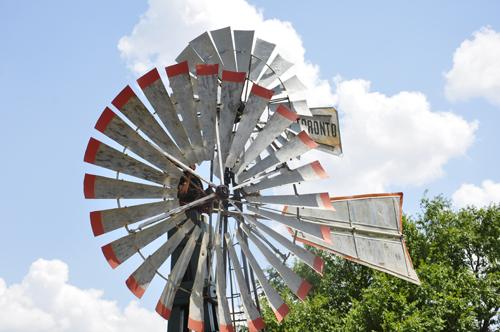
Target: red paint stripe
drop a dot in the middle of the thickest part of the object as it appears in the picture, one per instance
(304, 288)
(282, 312)
(325, 232)
(319, 170)
(284, 210)
(262, 92)
(108, 252)
(135, 287)
(207, 69)
(318, 265)
(91, 151)
(96, 223)
(256, 325)
(286, 113)
(307, 140)
(178, 69)
(194, 324)
(366, 196)
(233, 76)
(88, 186)
(147, 79)
(162, 310)
(123, 97)
(104, 120)
(327, 203)
(226, 328)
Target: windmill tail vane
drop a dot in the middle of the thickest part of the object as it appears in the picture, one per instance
(228, 111)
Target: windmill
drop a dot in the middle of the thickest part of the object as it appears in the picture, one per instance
(228, 108)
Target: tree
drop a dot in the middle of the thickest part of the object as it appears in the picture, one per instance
(456, 255)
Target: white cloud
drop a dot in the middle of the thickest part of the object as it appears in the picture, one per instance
(44, 301)
(469, 194)
(390, 141)
(476, 68)
(167, 27)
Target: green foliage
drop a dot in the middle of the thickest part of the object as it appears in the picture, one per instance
(456, 255)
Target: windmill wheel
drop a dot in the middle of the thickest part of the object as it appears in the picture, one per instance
(229, 112)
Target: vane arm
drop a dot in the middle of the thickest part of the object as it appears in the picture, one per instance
(219, 153)
(247, 182)
(177, 210)
(187, 168)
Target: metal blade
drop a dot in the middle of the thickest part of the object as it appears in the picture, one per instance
(279, 306)
(261, 53)
(232, 87)
(257, 102)
(224, 42)
(309, 172)
(95, 186)
(133, 108)
(224, 316)
(243, 42)
(297, 146)
(300, 107)
(100, 154)
(164, 306)
(254, 320)
(115, 128)
(190, 56)
(180, 82)
(277, 68)
(278, 122)
(208, 83)
(297, 285)
(314, 201)
(205, 48)
(139, 281)
(196, 312)
(290, 86)
(157, 95)
(108, 220)
(122, 249)
(312, 260)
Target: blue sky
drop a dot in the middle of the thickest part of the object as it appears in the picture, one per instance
(417, 85)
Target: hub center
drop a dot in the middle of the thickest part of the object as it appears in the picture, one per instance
(222, 192)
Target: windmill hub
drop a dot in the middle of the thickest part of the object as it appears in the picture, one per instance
(222, 192)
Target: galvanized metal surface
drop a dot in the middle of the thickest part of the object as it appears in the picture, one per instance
(291, 149)
(108, 220)
(313, 201)
(164, 306)
(139, 281)
(207, 85)
(139, 115)
(277, 68)
(309, 172)
(254, 319)
(101, 187)
(158, 98)
(243, 42)
(278, 122)
(183, 89)
(225, 321)
(279, 306)
(105, 156)
(205, 48)
(300, 107)
(290, 86)
(257, 102)
(122, 249)
(261, 54)
(192, 58)
(116, 129)
(196, 312)
(224, 42)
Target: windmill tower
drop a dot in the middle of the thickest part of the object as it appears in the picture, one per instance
(228, 109)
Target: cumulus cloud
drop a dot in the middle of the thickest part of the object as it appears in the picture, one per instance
(392, 141)
(476, 68)
(469, 194)
(166, 28)
(44, 301)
